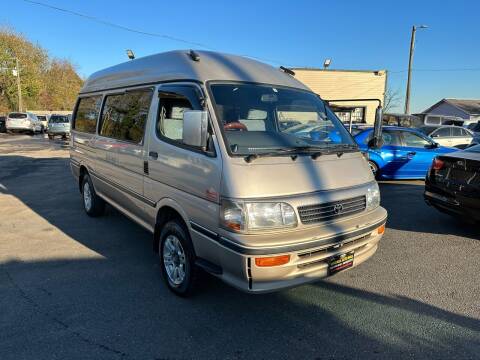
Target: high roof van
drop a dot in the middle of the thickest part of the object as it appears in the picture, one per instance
(233, 165)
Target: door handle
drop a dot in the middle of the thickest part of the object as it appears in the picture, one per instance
(153, 155)
(411, 154)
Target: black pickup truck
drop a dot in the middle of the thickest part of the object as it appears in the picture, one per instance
(453, 183)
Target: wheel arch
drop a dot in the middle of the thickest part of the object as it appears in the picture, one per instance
(168, 209)
(82, 173)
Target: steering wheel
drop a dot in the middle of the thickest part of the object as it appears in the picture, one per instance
(235, 126)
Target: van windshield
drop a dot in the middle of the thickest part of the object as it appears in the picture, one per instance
(260, 119)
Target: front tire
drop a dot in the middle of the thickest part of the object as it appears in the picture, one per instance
(177, 258)
(374, 168)
(94, 205)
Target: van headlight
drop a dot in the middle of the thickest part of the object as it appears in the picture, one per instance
(245, 216)
(373, 196)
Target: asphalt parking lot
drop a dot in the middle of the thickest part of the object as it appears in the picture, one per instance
(76, 287)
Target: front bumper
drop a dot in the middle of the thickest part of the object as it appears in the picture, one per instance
(58, 132)
(308, 259)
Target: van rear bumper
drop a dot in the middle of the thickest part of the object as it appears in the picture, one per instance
(308, 261)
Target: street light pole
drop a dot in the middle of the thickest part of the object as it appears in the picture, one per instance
(410, 62)
(19, 86)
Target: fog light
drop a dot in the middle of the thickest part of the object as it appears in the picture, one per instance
(272, 260)
(381, 229)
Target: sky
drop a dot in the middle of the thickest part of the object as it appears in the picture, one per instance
(354, 34)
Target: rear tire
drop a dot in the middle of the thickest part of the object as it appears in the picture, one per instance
(177, 258)
(50, 137)
(94, 205)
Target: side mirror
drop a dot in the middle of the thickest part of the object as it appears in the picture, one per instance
(377, 140)
(195, 128)
(435, 136)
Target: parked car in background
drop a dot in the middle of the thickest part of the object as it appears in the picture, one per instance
(44, 120)
(474, 127)
(449, 135)
(58, 125)
(23, 122)
(3, 127)
(453, 183)
(406, 153)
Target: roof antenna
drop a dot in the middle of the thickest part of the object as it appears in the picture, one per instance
(194, 56)
(287, 70)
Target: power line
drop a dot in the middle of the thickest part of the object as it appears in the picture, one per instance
(118, 26)
(436, 70)
(141, 32)
(205, 46)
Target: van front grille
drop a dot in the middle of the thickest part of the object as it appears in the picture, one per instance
(310, 214)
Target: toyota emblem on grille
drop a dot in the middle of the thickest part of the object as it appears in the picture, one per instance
(338, 208)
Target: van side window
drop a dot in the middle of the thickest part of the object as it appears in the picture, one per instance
(170, 119)
(87, 113)
(124, 115)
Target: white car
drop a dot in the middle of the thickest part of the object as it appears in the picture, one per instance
(23, 121)
(44, 120)
(450, 135)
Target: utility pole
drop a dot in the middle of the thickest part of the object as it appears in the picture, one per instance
(19, 86)
(410, 63)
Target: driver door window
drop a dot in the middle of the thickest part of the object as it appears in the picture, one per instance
(174, 101)
(170, 117)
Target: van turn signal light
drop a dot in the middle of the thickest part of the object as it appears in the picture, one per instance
(272, 260)
(381, 229)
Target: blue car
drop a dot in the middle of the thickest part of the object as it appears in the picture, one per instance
(406, 153)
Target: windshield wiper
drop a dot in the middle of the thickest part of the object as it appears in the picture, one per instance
(315, 151)
(281, 151)
(340, 149)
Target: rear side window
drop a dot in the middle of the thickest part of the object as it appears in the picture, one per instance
(124, 115)
(87, 113)
(457, 131)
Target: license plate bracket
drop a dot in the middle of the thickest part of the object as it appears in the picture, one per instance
(340, 262)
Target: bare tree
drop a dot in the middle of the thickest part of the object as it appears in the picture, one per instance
(392, 99)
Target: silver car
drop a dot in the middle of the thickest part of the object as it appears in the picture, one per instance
(23, 122)
(58, 125)
(190, 146)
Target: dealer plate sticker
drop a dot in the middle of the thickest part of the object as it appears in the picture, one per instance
(340, 262)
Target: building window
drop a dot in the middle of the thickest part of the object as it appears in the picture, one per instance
(356, 114)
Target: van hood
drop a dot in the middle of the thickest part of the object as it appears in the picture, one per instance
(282, 176)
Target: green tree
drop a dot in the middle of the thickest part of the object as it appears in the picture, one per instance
(46, 83)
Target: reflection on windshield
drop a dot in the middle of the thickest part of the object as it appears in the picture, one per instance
(261, 118)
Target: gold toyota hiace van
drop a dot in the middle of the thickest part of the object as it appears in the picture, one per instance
(233, 165)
